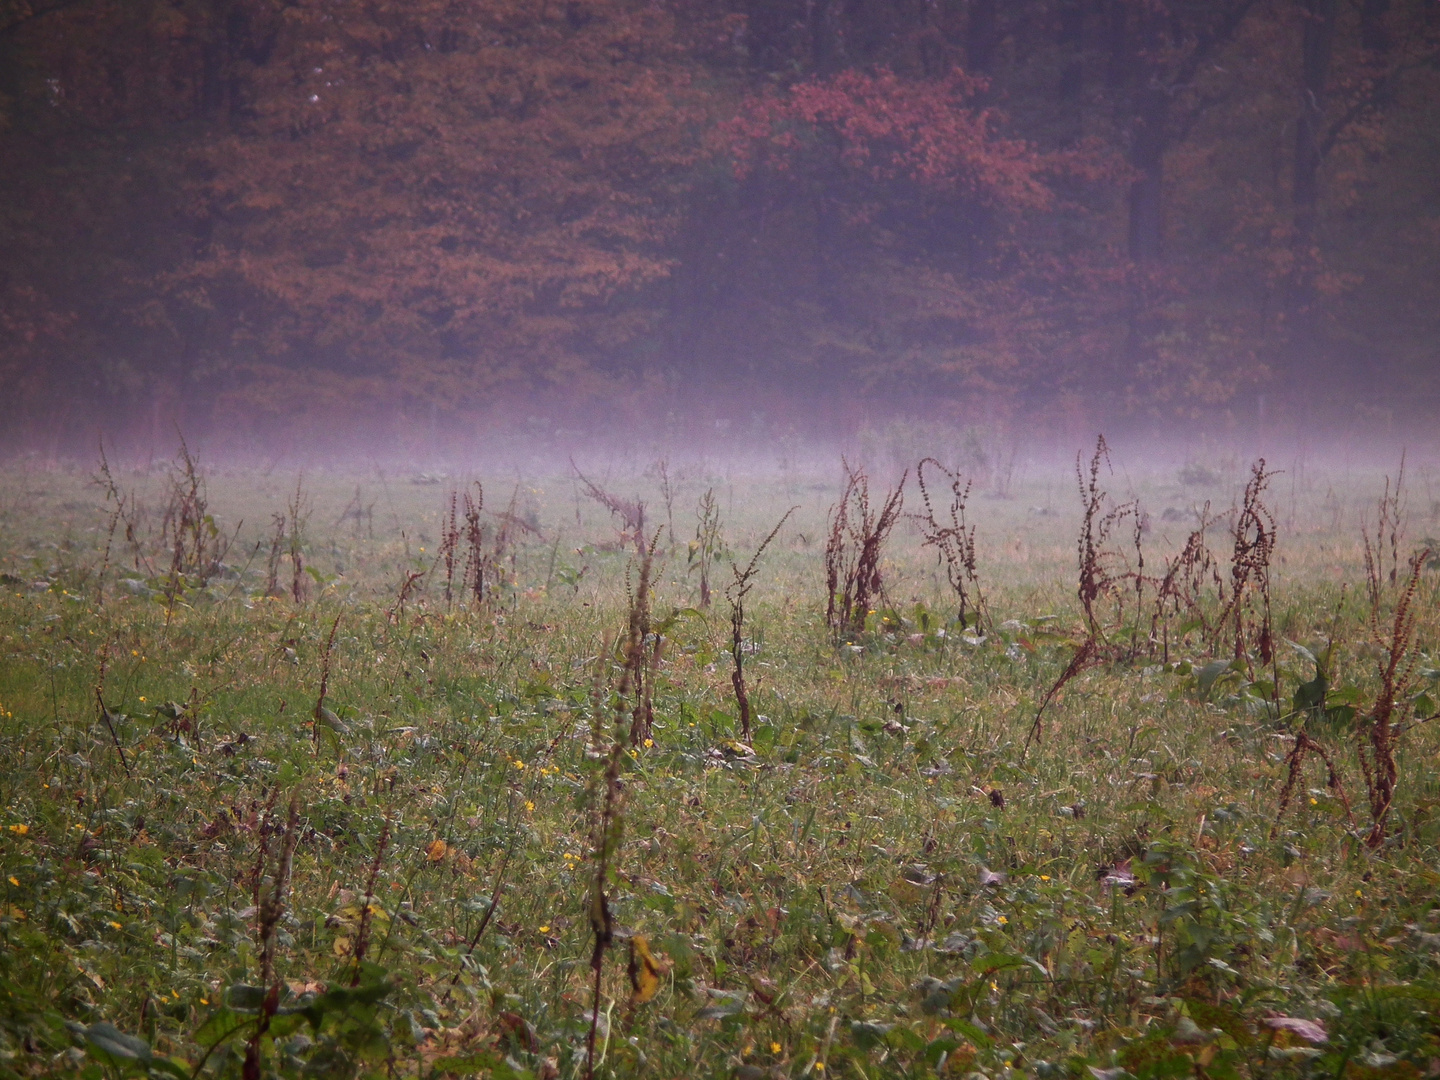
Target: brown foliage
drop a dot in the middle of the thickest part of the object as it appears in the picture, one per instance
(1102, 569)
(954, 541)
(853, 550)
(1376, 735)
(1181, 591)
(1247, 611)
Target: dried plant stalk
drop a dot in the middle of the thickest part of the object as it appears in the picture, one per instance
(854, 548)
(955, 542)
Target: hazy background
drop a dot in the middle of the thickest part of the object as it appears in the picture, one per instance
(418, 228)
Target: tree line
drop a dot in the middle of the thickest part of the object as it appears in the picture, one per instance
(269, 207)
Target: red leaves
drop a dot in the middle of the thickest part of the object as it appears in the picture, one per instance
(888, 129)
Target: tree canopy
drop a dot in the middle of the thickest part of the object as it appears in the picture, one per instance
(260, 208)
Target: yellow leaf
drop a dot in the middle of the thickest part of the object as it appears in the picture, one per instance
(600, 915)
(341, 946)
(644, 971)
(436, 851)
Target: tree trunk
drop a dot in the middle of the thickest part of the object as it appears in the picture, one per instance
(982, 36)
(825, 45)
(1072, 44)
(1374, 34)
(1147, 158)
(1118, 58)
(1149, 138)
(1317, 44)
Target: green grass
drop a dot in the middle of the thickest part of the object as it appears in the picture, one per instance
(847, 900)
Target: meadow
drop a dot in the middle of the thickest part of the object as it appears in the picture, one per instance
(355, 775)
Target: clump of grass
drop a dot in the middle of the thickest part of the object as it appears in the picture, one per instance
(853, 551)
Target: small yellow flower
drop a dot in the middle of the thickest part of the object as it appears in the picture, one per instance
(142, 699)
(545, 929)
(20, 830)
(14, 881)
(1314, 802)
(1044, 877)
(1001, 919)
(1359, 893)
(134, 652)
(116, 925)
(204, 1001)
(649, 743)
(529, 805)
(774, 1047)
(820, 1065)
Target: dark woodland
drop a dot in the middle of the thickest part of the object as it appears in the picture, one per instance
(246, 212)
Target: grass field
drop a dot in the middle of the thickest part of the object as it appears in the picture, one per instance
(357, 832)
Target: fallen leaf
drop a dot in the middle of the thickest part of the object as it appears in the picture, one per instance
(644, 971)
(1310, 1030)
